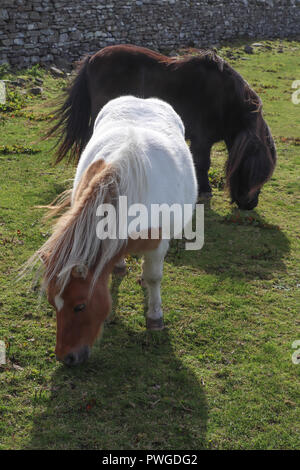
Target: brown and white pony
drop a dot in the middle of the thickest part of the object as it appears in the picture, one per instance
(137, 151)
(213, 100)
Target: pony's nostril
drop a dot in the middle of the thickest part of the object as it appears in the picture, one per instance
(70, 359)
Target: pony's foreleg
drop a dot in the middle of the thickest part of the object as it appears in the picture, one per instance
(151, 277)
(201, 157)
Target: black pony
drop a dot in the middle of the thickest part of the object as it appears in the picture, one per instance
(213, 100)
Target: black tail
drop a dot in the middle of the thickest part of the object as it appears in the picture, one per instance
(74, 118)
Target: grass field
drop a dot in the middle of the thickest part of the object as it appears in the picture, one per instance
(220, 376)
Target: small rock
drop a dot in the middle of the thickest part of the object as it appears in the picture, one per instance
(248, 49)
(38, 81)
(21, 81)
(36, 90)
(17, 367)
(56, 72)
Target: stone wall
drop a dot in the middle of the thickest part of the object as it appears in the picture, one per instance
(57, 31)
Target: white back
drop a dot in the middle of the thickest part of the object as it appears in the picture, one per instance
(146, 136)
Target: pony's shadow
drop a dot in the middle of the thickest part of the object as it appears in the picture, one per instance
(238, 245)
(133, 393)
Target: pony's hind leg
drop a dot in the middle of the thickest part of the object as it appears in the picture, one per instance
(151, 277)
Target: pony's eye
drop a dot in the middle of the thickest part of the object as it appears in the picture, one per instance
(79, 308)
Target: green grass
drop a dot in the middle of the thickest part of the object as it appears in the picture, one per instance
(221, 375)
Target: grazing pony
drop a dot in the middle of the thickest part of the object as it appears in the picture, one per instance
(213, 100)
(137, 150)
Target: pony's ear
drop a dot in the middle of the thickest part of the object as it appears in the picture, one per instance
(80, 271)
(249, 166)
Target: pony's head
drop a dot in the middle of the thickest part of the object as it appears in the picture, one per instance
(77, 265)
(250, 164)
(251, 148)
(80, 314)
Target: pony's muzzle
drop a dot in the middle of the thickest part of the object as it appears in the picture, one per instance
(247, 204)
(77, 357)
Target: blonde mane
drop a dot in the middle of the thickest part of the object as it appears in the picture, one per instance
(74, 241)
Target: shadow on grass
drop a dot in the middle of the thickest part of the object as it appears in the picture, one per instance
(133, 393)
(49, 194)
(242, 248)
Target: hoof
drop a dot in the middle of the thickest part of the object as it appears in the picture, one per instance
(120, 271)
(155, 324)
